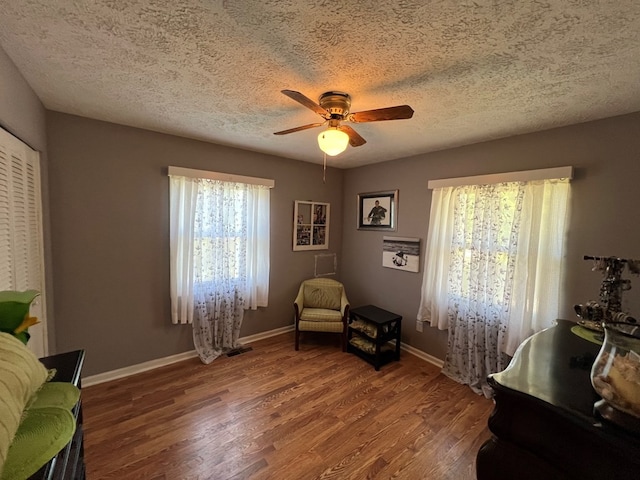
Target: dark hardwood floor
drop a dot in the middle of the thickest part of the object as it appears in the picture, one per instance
(274, 413)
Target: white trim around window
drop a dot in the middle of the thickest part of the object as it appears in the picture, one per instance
(223, 177)
(522, 176)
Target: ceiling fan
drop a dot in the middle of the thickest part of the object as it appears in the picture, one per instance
(334, 108)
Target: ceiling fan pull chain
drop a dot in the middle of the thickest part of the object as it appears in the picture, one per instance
(324, 169)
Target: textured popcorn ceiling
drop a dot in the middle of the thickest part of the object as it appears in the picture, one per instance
(213, 70)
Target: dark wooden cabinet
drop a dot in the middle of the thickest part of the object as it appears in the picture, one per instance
(68, 464)
(543, 424)
(374, 335)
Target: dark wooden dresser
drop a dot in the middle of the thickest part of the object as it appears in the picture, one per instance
(68, 464)
(543, 424)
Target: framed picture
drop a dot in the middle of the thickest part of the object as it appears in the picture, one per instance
(401, 253)
(310, 225)
(378, 210)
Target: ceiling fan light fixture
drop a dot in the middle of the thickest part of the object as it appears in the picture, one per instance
(333, 141)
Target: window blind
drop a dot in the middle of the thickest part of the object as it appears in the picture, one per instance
(21, 244)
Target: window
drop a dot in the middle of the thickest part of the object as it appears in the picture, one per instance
(219, 241)
(474, 241)
(493, 265)
(21, 245)
(220, 226)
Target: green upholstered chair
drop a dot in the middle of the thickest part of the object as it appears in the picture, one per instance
(322, 306)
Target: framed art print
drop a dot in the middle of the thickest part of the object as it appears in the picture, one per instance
(401, 253)
(378, 210)
(310, 225)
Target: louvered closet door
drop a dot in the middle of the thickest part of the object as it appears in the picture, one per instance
(21, 246)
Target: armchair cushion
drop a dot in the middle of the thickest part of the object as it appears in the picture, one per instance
(21, 375)
(320, 315)
(322, 296)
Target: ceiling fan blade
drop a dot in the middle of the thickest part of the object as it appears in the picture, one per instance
(390, 113)
(355, 140)
(307, 102)
(297, 129)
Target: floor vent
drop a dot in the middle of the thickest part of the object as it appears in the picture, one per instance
(238, 351)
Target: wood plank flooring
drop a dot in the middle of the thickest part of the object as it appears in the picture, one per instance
(274, 413)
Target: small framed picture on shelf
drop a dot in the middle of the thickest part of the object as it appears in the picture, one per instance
(378, 210)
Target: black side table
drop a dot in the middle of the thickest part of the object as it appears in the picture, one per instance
(374, 335)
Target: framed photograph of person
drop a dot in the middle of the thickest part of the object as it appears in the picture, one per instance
(378, 210)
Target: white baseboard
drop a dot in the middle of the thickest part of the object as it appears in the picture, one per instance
(138, 368)
(268, 334)
(422, 355)
(161, 362)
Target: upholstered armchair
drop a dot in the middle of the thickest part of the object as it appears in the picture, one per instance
(322, 306)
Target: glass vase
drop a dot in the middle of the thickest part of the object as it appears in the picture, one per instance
(615, 375)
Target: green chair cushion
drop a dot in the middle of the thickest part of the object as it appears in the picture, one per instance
(335, 327)
(35, 417)
(21, 375)
(320, 315)
(43, 432)
(56, 394)
(327, 297)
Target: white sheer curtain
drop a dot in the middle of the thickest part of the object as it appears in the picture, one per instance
(183, 194)
(492, 270)
(219, 258)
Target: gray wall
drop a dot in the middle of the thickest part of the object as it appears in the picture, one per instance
(604, 219)
(23, 115)
(21, 112)
(108, 211)
(109, 195)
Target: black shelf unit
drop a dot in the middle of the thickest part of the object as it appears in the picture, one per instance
(382, 335)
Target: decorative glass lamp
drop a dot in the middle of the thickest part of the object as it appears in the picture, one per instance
(333, 141)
